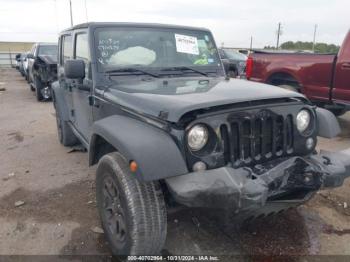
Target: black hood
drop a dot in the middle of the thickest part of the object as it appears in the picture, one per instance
(175, 97)
(49, 59)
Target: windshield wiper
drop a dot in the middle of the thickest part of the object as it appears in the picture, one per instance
(131, 70)
(184, 68)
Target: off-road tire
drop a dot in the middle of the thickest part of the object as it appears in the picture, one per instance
(38, 87)
(338, 111)
(232, 74)
(138, 208)
(64, 131)
(29, 82)
(290, 88)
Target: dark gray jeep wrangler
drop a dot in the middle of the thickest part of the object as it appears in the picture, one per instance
(153, 107)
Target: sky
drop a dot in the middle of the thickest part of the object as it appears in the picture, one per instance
(232, 22)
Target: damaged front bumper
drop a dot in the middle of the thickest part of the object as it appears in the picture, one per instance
(269, 188)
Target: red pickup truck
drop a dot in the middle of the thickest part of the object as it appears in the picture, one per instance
(323, 78)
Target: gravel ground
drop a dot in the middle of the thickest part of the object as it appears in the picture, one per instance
(47, 198)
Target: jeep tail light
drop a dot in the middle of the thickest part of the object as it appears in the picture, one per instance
(249, 67)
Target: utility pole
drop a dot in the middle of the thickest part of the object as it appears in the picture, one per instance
(314, 41)
(279, 32)
(71, 13)
(56, 17)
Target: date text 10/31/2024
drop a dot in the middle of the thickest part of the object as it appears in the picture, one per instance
(173, 258)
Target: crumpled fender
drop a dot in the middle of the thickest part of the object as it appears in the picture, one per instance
(153, 149)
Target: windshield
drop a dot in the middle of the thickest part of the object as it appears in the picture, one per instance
(50, 50)
(231, 54)
(155, 48)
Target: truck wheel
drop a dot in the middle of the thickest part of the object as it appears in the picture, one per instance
(64, 131)
(29, 82)
(232, 74)
(290, 88)
(133, 213)
(338, 111)
(38, 87)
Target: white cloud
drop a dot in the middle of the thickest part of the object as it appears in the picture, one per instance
(232, 22)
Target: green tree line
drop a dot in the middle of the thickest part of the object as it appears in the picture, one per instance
(307, 46)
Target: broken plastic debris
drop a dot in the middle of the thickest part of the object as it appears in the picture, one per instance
(196, 221)
(77, 148)
(19, 203)
(97, 230)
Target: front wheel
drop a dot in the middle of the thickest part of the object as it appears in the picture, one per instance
(133, 213)
(38, 87)
(232, 74)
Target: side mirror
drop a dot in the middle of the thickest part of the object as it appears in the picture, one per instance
(29, 56)
(74, 69)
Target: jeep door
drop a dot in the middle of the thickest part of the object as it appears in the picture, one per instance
(65, 52)
(81, 90)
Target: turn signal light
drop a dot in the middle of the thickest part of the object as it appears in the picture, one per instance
(133, 166)
(249, 67)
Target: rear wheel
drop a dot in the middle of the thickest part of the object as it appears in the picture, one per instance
(338, 111)
(133, 213)
(64, 131)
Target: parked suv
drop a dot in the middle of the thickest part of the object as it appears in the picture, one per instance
(42, 69)
(234, 62)
(153, 107)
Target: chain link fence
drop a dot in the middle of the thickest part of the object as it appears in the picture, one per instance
(8, 59)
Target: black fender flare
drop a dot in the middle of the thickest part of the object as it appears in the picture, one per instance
(328, 125)
(154, 151)
(59, 101)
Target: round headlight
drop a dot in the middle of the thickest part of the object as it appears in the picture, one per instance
(303, 120)
(197, 137)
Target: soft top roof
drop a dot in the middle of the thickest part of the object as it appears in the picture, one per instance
(127, 24)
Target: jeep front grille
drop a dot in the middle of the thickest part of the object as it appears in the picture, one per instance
(249, 139)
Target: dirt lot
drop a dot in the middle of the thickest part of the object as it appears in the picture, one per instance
(57, 214)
